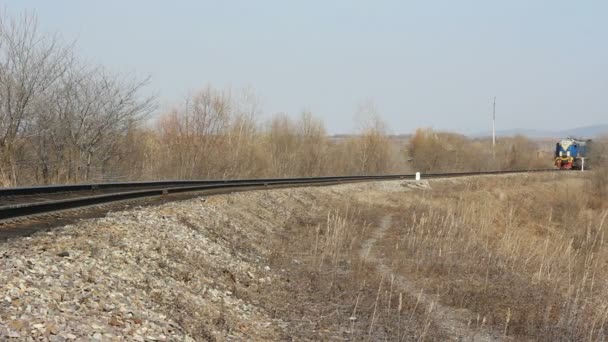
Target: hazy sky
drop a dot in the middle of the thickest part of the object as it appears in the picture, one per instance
(423, 63)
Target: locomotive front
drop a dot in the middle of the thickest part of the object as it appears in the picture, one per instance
(571, 153)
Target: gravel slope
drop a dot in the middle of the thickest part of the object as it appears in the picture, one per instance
(181, 271)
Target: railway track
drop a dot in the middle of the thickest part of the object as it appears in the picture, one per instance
(26, 205)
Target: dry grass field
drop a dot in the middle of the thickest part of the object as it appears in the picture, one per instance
(487, 258)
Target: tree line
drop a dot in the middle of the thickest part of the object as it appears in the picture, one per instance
(66, 121)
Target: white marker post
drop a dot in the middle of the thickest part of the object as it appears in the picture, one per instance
(417, 176)
(583, 165)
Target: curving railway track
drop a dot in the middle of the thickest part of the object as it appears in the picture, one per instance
(41, 207)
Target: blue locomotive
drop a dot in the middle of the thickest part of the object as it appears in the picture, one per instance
(571, 153)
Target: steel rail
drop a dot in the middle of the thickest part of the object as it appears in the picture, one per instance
(136, 190)
(51, 189)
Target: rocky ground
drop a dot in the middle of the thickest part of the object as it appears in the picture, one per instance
(181, 271)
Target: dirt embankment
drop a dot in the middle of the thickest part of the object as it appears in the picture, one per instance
(368, 261)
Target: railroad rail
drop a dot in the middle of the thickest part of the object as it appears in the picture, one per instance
(31, 201)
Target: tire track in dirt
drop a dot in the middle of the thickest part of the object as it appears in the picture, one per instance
(453, 322)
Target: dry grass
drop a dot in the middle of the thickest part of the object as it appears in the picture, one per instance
(528, 257)
(334, 293)
(515, 258)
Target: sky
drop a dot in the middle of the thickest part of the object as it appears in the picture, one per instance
(431, 63)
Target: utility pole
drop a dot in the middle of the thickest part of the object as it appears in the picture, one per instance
(494, 123)
(494, 129)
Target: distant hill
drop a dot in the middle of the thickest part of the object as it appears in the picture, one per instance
(580, 132)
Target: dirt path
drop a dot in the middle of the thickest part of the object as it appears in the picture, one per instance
(453, 322)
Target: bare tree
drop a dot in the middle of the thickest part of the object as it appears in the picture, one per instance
(245, 157)
(108, 107)
(82, 121)
(30, 64)
(372, 145)
(312, 147)
(196, 134)
(282, 145)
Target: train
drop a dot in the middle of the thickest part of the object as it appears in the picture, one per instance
(572, 153)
